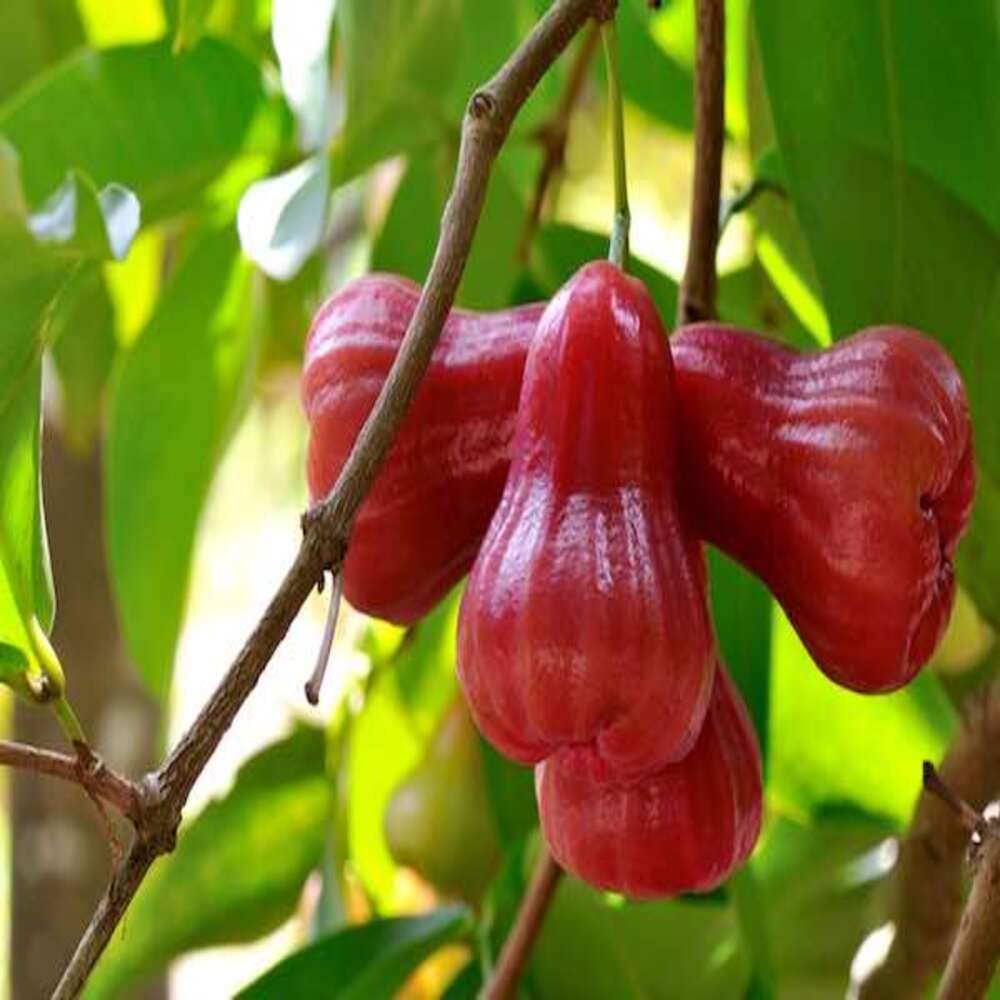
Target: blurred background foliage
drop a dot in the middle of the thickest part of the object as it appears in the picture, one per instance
(183, 181)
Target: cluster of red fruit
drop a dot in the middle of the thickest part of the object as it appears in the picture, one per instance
(576, 460)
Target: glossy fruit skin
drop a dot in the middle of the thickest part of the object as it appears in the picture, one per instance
(684, 828)
(418, 530)
(439, 820)
(584, 623)
(842, 478)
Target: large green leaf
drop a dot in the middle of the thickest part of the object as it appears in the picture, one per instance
(412, 686)
(822, 888)
(652, 79)
(34, 34)
(893, 177)
(32, 278)
(832, 747)
(395, 76)
(191, 18)
(674, 30)
(162, 125)
(179, 393)
(238, 869)
(362, 963)
(26, 597)
(406, 242)
(592, 947)
(741, 609)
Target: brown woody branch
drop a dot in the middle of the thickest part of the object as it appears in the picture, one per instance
(696, 297)
(973, 958)
(927, 885)
(85, 770)
(517, 947)
(326, 528)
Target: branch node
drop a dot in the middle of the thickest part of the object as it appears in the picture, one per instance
(972, 822)
(482, 105)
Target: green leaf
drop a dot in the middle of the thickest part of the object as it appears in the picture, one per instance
(781, 247)
(281, 219)
(893, 178)
(823, 889)
(34, 34)
(238, 869)
(192, 15)
(30, 280)
(741, 611)
(85, 345)
(511, 790)
(593, 946)
(175, 403)
(26, 595)
(395, 77)
(749, 299)
(830, 746)
(673, 29)
(651, 79)
(406, 242)
(410, 690)
(161, 125)
(364, 962)
(489, 33)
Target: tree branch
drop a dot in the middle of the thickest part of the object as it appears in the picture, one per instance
(517, 947)
(90, 773)
(696, 297)
(927, 887)
(326, 528)
(973, 959)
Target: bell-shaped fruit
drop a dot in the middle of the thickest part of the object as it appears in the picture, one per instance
(842, 478)
(438, 821)
(584, 622)
(684, 828)
(418, 530)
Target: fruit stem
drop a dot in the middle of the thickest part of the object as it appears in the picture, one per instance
(618, 251)
(315, 681)
(503, 983)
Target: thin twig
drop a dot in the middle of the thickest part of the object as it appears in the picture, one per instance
(742, 200)
(696, 296)
(927, 882)
(517, 947)
(315, 682)
(554, 134)
(618, 250)
(488, 118)
(971, 821)
(96, 779)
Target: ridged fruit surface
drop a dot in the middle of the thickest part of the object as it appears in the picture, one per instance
(439, 821)
(584, 622)
(417, 531)
(842, 478)
(684, 828)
